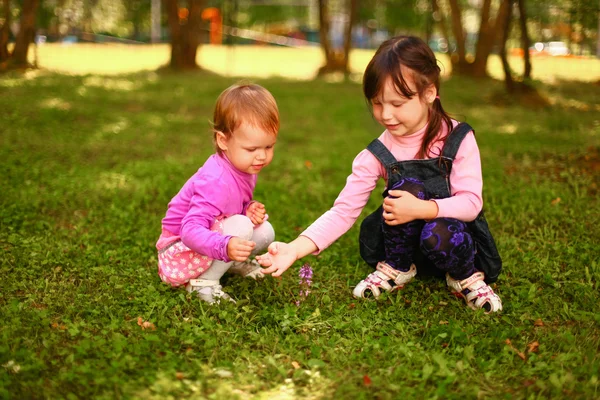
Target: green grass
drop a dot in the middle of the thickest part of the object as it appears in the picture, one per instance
(89, 164)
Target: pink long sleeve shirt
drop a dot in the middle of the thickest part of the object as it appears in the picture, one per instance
(466, 186)
(217, 189)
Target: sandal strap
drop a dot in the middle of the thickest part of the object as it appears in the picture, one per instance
(476, 277)
(203, 282)
(387, 270)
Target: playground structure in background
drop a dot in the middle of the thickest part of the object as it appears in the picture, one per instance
(213, 15)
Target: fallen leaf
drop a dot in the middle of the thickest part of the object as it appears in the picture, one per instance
(145, 324)
(528, 382)
(555, 201)
(538, 322)
(59, 326)
(295, 365)
(533, 347)
(443, 322)
(367, 380)
(519, 353)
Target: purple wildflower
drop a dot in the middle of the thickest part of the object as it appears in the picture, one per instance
(305, 274)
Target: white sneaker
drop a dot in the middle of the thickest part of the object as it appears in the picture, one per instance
(247, 269)
(386, 278)
(476, 292)
(208, 290)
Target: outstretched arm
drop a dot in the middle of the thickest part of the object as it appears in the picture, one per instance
(282, 255)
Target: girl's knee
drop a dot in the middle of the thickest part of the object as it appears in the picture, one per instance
(263, 236)
(439, 232)
(238, 225)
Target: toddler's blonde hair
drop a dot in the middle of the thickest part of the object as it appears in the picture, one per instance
(245, 102)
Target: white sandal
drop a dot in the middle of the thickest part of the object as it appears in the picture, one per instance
(386, 278)
(247, 269)
(208, 290)
(476, 292)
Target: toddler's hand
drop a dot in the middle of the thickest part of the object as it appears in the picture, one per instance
(239, 249)
(256, 212)
(279, 258)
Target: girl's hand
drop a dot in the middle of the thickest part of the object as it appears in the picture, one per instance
(401, 207)
(239, 249)
(279, 258)
(256, 212)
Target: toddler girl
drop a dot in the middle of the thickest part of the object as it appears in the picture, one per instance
(431, 219)
(213, 225)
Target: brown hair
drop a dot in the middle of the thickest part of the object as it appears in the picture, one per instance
(245, 102)
(413, 53)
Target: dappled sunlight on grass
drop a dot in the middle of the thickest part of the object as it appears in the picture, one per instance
(57, 103)
(112, 180)
(11, 82)
(573, 104)
(110, 129)
(508, 129)
(111, 83)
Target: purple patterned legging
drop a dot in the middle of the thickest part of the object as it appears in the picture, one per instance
(446, 242)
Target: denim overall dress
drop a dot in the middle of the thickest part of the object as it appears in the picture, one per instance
(434, 173)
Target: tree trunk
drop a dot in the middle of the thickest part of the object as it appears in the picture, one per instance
(598, 38)
(185, 33)
(353, 11)
(460, 63)
(525, 42)
(336, 60)
(4, 32)
(26, 33)
(485, 41)
(505, 26)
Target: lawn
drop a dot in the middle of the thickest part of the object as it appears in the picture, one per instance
(89, 163)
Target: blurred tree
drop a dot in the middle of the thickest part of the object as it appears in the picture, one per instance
(138, 13)
(516, 85)
(490, 30)
(5, 31)
(267, 13)
(24, 37)
(336, 58)
(406, 15)
(584, 21)
(185, 30)
(525, 41)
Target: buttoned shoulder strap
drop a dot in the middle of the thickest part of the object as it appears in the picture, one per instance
(382, 153)
(454, 140)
